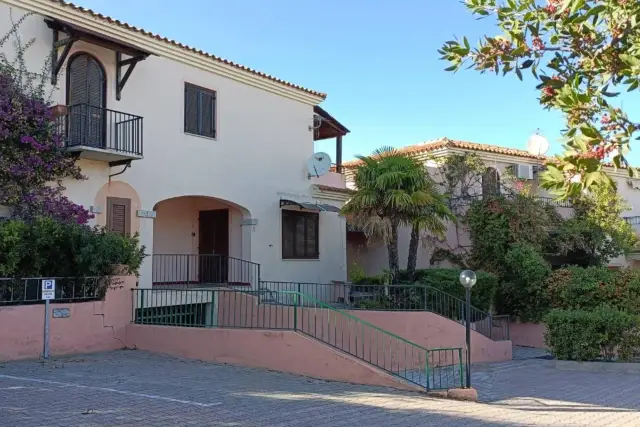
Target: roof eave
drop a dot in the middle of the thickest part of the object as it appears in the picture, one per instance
(438, 149)
(163, 48)
(334, 123)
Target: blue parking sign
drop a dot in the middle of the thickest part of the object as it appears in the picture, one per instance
(48, 289)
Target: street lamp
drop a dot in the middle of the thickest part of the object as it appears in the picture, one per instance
(468, 279)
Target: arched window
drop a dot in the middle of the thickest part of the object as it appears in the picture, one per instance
(86, 82)
(490, 182)
(86, 96)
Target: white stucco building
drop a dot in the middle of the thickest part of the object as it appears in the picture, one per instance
(205, 158)
(372, 257)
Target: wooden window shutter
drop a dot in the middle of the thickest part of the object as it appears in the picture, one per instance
(77, 86)
(288, 234)
(207, 109)
(199, 111)
(119, 215)
(191, 102)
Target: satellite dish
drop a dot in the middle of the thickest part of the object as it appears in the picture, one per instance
(537, 145)
(319, 164)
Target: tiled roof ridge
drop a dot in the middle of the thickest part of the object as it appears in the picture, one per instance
(129, 27)
(443, 142)
(323, 187)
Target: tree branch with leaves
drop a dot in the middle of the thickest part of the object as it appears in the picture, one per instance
(582, 52)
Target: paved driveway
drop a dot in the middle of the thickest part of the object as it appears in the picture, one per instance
(133, 388)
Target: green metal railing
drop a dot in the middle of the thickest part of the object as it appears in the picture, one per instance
(434, 369)
(468, 200)
(27, 291)
(399, 297)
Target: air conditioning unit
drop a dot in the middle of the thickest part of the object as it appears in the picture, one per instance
(524, 171)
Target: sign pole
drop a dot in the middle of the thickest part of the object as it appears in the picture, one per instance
(48, 293)
(46, 329)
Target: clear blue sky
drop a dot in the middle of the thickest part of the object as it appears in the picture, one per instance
(376, 59)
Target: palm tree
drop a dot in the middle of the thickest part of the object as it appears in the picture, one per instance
(391, 189)
(432, 218)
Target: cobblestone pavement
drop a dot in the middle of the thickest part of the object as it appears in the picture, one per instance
(133, 388)
(520, 353)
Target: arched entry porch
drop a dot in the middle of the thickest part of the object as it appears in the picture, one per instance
(201, 241)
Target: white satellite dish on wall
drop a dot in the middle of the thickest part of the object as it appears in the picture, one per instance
(318, 164)
(537, 145)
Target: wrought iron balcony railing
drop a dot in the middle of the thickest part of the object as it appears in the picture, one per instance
(90, 127)
(202, 270)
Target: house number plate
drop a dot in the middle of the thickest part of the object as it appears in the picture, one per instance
(146, 214)
(61, 312)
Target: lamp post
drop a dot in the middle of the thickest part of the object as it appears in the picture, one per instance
(468, 279)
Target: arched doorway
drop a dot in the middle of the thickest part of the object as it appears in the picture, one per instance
(86, 97)
(201, 241)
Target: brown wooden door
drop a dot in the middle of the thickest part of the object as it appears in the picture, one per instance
(214, 246)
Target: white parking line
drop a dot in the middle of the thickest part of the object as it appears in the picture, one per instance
(111, 390)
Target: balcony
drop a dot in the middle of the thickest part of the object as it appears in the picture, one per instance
(100, 134)
(331, 179)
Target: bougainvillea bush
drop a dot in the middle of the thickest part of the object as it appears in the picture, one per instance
(48, 234)
(32, 161)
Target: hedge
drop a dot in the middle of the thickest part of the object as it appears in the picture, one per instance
(45, 247)
(447, 280)
(523, 289)
(588, 288)
(586, 335)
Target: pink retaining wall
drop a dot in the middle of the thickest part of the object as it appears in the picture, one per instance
(284, 351)
(422, 328)
(242, 310)
(432, 331)
(528, 334)
(91, 326)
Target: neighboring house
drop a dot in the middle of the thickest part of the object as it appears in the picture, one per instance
(372, 257)
(198, 154)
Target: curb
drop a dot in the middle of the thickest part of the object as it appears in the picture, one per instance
(569, 365)
(465, 394)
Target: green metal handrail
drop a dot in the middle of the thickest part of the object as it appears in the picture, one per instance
(479, 317)
(396, 297)
(350, 316)
(438, 368)
(433, 369)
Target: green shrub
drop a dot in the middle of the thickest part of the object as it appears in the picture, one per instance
(376, 304)
(589, 288)
(583, 335)
(378, 280)
(496, 223)
(448, 280)
(522, 291)
(48, 248)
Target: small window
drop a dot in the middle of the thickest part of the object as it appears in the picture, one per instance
(299, 235)
(491, 183)
(119, 215)
(199, 111)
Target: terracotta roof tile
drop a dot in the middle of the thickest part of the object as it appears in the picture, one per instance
(334, 189)
(128, 27)
(465, 145)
